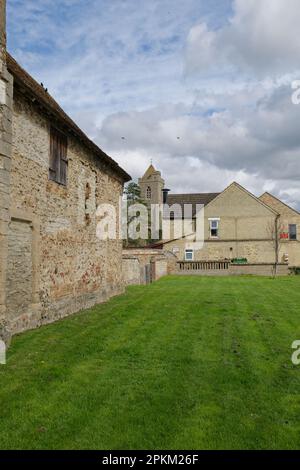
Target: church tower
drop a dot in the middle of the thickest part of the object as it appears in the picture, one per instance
(152, 186)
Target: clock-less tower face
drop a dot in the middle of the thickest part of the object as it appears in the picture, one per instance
(151, 185)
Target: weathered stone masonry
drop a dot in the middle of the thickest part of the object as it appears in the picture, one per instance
(6, 97)
(70, 268)
(52, 263)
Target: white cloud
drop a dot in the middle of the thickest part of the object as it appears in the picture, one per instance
(257, 145)
(202, 89)
(261, 39)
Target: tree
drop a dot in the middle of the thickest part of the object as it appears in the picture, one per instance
(275, 231)
(133, 193)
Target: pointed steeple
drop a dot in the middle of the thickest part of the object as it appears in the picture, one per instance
(150, 171)
(151, 185)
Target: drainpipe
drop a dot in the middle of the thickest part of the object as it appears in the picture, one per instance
(276, 240)
(276, 245)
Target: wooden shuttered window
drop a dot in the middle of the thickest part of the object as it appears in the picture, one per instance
(58, 157)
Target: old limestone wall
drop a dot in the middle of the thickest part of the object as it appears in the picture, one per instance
(54, 254)
(291, 248)
(6, 96)
(137, 260)
(133, 272)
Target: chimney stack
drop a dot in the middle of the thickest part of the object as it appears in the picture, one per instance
(165, 195)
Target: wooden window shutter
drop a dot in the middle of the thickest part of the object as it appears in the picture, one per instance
(53, 156)
(63, 160)
(58, 157)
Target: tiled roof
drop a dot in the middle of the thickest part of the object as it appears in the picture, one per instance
(38, 94)
(262, 198)
(191, 199)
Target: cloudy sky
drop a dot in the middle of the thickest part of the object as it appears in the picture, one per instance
(202, 87)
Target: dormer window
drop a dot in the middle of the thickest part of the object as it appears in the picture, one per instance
(214, 227)
(149, 193)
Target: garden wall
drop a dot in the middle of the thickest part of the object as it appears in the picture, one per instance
(228, 269)
(145, 265)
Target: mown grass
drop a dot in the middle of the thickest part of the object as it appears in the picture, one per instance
(186, 363)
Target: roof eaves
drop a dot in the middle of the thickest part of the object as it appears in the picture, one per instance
(279, 200)
(245, 191)
(38, 94)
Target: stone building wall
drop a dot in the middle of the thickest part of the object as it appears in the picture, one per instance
(71, 268)
(246, 229)
(255, 251)
(137, 260)
(290, 248)
(133, 272)
(6, 96)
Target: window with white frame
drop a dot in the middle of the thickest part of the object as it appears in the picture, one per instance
(214, 227)
(189, 255)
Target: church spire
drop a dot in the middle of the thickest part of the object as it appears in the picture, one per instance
(150, 171)
(152, 185)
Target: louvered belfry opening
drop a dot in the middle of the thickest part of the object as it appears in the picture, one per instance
(58, 156)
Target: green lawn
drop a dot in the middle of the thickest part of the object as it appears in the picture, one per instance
(188, 363)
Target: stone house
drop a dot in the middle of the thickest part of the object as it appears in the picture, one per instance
(52, 179)
(237, 224)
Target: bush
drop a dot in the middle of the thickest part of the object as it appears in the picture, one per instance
(239, 261)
